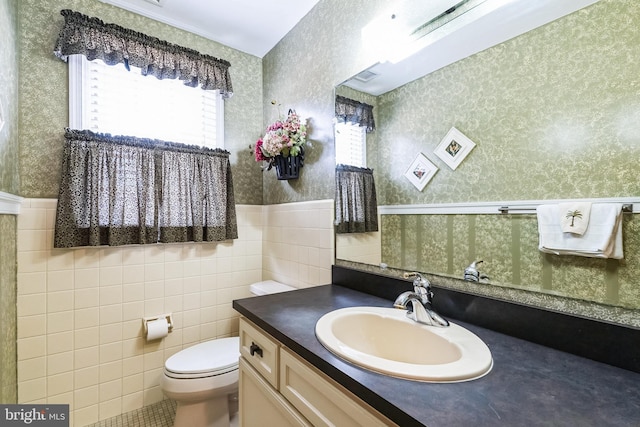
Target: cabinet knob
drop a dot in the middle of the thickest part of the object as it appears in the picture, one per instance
(255, 349)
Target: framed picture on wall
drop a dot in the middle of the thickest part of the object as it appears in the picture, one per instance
(420, 171)
(454, 147)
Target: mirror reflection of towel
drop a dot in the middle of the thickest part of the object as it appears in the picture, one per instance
(603, 238)
(574, 217)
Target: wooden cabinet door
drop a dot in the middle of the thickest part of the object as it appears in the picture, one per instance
(261, 405)
(322, 401)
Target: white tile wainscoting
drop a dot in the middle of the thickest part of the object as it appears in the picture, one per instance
(364, 248)
(80, 335)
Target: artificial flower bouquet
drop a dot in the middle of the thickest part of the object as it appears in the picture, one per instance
(284, 137)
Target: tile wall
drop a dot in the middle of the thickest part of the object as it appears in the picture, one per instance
(365, 248)
(80, 334)
(298, 243)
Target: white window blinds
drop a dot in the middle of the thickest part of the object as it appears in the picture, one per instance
(350, 140)
(111, 99)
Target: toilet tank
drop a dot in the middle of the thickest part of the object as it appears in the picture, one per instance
(269, 287)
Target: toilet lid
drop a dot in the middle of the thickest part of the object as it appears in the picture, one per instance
(205, 358)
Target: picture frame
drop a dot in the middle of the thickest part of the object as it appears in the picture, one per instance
(420, 171)
(454, 148)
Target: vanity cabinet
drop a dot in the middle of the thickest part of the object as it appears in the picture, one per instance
(278, 388)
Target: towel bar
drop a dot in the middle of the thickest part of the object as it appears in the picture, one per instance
(506, 209)
(626, 208)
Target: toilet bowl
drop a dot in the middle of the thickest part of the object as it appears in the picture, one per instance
(203, 379)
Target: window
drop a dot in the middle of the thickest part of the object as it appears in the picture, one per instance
(351, 142)
(111, 99)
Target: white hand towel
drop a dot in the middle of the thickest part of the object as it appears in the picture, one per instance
(602, 239)
(574, 217)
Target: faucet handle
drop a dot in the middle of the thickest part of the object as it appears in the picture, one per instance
(419, 280)
(421, 286)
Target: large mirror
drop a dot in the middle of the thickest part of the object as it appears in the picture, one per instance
(550, 98)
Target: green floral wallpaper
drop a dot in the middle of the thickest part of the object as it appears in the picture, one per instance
(9, 183)
(555, 113)
(44, 89)
(8, 319)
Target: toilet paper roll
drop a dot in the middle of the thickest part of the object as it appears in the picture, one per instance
(157, 329)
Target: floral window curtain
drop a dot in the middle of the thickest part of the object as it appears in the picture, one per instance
(118, 190)
(114, 44)
(356, 202)
(351, 111)
(196, 199)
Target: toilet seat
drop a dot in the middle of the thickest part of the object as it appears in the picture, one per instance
(207, 359)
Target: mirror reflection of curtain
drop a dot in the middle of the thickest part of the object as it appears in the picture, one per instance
(118, 190)
(356, 202)
(352, 111)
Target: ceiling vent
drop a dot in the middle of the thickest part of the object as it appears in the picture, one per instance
(365, 76)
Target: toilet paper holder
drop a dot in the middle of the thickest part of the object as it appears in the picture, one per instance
(152, 318)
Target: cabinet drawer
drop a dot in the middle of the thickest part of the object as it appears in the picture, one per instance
(260, 350)
(261, 405)
(320, 400)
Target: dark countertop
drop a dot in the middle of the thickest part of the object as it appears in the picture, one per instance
(529, 385)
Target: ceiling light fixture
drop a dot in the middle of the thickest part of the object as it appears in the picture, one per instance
(157, 2)
(416, 24)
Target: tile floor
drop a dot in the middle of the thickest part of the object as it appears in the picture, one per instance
(159, 414)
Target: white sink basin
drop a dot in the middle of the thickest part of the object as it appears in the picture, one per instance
(385, 340)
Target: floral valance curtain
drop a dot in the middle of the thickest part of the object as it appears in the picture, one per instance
(119, 190)
(114, 44)
(356, 202)
(351, 111)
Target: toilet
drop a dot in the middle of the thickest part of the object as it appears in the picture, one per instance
(203, 378)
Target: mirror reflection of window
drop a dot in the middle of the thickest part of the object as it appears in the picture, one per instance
(351, 144)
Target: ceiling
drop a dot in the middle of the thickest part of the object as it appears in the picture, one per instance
(251, 26)
(256, 26)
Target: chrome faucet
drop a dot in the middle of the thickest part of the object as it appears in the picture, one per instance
(421, 310)
(473, 274)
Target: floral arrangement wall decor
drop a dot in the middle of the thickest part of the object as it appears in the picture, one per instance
(420, 171)
(454, 147)
(282, 145)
